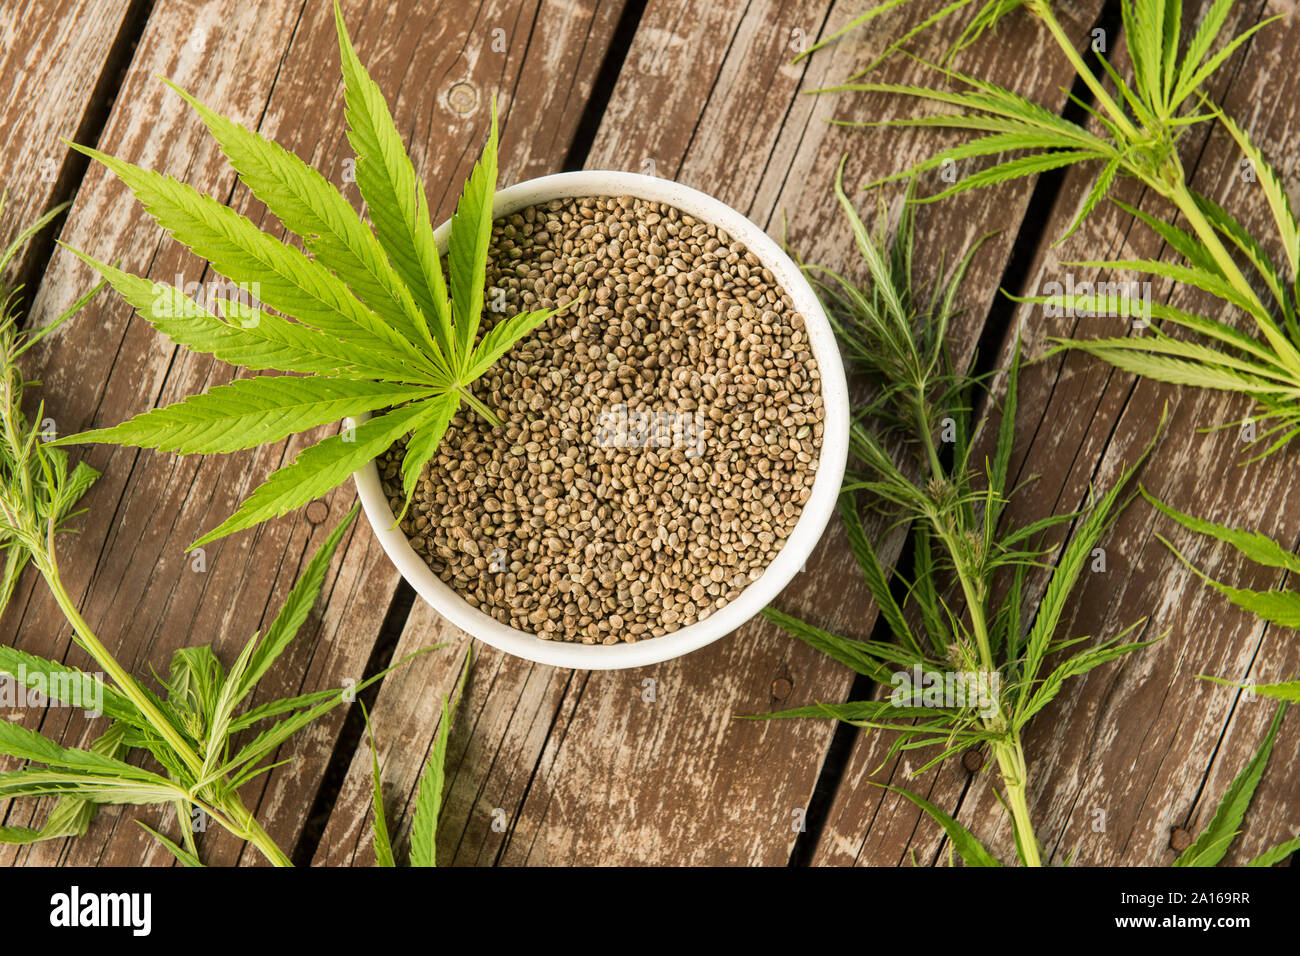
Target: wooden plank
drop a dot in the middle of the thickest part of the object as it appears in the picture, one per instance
(542, 78)
(1135, 749)
(76, 367)
(619, 778)
(1196, 737)
(54, 57)
(142, 595)
(405, 723)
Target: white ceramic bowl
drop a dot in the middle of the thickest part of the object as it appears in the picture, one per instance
(816, 511)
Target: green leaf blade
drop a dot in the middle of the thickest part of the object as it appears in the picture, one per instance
(300, 197)
(968, 846)
(393, 193)
(244, 335)
(267, 269)
(424, 442)
(296, 608)
(1213, 843)
(471, 235)
(428, 798)
(501, 339)
(250, 412)
(320, 468)
(378, 822)
(1250, 544)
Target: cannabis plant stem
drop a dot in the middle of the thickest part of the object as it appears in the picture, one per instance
(1044, 12)
(232, 815)
(1007, 750)
(488, 415)
(252, 831)
(1181, 197)
(931, 453)
(974, 599)
(229, 812)
(1010, 756)
(46, 564)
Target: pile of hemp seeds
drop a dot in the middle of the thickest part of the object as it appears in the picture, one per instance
(661, 435)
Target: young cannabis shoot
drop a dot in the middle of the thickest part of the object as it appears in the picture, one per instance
(1137, 136)
(373, 324)
(39, 492)
(898, 336)
(428, 796)
(189, 729)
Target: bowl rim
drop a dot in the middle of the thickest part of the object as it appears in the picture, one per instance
(812, 522)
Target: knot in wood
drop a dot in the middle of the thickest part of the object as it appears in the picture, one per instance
(462, 98)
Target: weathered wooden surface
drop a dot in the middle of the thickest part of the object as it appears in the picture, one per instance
(56, 58)
(1133, 750)
(648, 766)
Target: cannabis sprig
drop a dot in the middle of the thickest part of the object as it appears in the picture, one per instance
(1138, 133)
(1207, 850)
(38, 491)
(199, 728)
(364, 320)
(961, 553)
(428, 795)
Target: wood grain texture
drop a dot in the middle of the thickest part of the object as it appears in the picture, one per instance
(668, 80)
(54, 54)
(54, 57)
(1135, 749)
(141, 594)
(547, 766)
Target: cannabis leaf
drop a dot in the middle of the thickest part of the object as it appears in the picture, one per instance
(1275, 606)
(378, 823)
(1288, 691)
(1216, 839)
(187, 728)
(363, 319)
(967, 845)
(428, 797)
